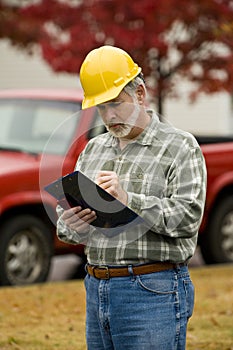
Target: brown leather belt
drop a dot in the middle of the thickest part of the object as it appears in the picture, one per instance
(105, 272)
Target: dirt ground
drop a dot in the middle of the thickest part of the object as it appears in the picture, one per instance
(52, 315)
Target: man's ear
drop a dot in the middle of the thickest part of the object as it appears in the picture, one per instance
(140, 93)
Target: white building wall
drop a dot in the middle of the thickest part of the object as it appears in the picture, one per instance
(209, 115)
(19, 70)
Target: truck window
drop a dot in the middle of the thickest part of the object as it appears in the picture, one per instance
(27, 125)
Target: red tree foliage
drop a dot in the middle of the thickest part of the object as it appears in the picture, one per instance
(169, 39)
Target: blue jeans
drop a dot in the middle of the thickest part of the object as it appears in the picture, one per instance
(146, 312)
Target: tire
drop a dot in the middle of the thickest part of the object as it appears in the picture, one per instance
(26, 250)
(217, 242)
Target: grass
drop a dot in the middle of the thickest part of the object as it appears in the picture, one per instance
(52, 316)
(211, 326)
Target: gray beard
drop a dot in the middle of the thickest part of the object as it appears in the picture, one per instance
(122, 131)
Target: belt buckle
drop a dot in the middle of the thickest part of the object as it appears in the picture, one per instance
(102, 267)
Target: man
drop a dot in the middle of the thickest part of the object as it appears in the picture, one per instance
(139, 295)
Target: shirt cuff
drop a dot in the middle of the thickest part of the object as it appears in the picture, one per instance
(134, 202)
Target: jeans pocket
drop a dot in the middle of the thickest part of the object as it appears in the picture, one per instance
(189, 294)
(158, 283)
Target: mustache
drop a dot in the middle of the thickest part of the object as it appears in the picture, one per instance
(115, 123)
(118, 122)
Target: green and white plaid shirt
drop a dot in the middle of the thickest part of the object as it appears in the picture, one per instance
(164, 174)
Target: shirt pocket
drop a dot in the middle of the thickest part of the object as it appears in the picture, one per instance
(155, 185)
(135, 182)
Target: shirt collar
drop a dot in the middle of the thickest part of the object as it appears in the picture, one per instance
(148, 134)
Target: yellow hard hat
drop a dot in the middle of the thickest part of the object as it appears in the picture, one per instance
(104, 73)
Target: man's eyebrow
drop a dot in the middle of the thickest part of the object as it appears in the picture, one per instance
(117, 100)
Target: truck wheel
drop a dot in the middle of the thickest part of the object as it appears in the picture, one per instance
(217, 242)
(25, 251)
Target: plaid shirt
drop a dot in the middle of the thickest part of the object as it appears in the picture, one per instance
(163, 171)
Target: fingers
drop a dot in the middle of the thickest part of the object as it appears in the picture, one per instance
(70, 212)
(108, 180)
(105, 176)
(78, 219)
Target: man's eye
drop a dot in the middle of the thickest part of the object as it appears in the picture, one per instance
(114, 104)
(101, 107)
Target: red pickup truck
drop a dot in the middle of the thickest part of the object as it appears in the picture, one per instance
(41, 135)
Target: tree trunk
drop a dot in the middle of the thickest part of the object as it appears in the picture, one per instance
(160, 105)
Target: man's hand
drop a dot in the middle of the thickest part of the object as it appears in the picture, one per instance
(78, 219)
(109, 181)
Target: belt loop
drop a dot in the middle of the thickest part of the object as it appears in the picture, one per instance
(130, 269)
(177, 267)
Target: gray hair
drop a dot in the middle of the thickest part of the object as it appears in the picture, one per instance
(132, 86)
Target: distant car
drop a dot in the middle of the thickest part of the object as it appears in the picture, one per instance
(41, 136)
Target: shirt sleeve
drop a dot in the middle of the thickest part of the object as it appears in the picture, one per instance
(179, 211)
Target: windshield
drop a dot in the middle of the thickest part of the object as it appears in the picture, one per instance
(27, 125)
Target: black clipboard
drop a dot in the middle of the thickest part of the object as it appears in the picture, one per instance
(76, 189)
